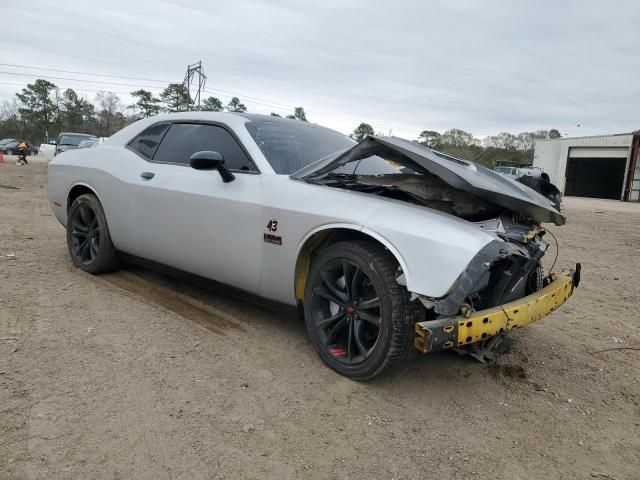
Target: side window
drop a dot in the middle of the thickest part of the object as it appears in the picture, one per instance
(184, 139)
(147, 142)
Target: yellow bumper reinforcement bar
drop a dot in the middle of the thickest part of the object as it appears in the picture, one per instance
(445, 333)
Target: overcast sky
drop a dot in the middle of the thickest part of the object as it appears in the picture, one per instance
(483, 66)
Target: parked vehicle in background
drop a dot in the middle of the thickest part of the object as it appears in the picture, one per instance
(6, 141)
(9, 146)
(91, 143)
(507, 170)
(518, 171)
(87, 143)
(71, 141)
(47, 150)
(533, 177)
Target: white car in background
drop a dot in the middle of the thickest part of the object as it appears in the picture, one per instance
(385, 245)
(70, 141)
(535, 178)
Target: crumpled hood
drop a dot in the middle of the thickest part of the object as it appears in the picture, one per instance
(459, 174)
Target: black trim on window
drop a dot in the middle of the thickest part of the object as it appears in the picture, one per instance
(138, 152)
(195, 122)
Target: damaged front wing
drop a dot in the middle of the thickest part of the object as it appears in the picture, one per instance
(454, 332)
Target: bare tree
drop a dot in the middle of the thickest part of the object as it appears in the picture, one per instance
(109, 113)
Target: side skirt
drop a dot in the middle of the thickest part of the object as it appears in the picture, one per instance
(273, 306)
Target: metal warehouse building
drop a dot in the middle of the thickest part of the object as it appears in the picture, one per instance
(605, 166)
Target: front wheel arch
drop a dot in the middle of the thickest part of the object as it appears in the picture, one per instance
(335, 317)
(318, 240)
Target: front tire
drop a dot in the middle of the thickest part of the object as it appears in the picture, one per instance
(88, 238)
(360, 320)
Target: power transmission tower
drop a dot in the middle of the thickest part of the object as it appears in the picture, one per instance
(190, 85)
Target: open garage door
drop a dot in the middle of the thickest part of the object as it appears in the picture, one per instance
(598, 177)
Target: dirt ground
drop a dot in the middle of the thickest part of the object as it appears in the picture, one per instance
(137, 375)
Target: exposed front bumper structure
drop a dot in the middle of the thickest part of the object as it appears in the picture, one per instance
(450, 332)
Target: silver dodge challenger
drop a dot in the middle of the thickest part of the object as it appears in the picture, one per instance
(385, 246)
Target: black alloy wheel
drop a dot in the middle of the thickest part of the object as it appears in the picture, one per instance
(346, 311)
(85, 234)
(360, 320)
(88, 237)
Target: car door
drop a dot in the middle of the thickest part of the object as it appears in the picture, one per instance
(192, 220)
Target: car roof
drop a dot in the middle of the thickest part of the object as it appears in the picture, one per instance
(88, 135)
(257, 117)
(228, 116)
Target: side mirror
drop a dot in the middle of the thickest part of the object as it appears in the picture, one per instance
(210, 160)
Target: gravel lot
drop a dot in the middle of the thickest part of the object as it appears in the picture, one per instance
(137, 375)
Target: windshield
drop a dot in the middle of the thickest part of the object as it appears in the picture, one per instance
(507, 170)
(289, 146)
(73, 140)
(6, 140)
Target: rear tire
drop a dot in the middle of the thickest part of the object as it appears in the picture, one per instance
(359, 319)
(88, 238)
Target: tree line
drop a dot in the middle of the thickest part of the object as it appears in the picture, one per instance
(503, 147)
(42, 108)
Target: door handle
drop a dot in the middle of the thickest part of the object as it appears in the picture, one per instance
(147, 175)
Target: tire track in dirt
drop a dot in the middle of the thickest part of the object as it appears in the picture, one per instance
(162, 296)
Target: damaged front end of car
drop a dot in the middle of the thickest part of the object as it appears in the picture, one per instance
(504, 286)
(501, 289)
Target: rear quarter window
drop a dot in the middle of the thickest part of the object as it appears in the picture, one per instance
(146, 143)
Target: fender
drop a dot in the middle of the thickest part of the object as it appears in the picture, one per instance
(357, 228)
(422, 253)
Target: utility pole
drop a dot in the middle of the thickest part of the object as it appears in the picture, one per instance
(190, 85)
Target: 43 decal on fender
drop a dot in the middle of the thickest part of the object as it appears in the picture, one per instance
(272, 226)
